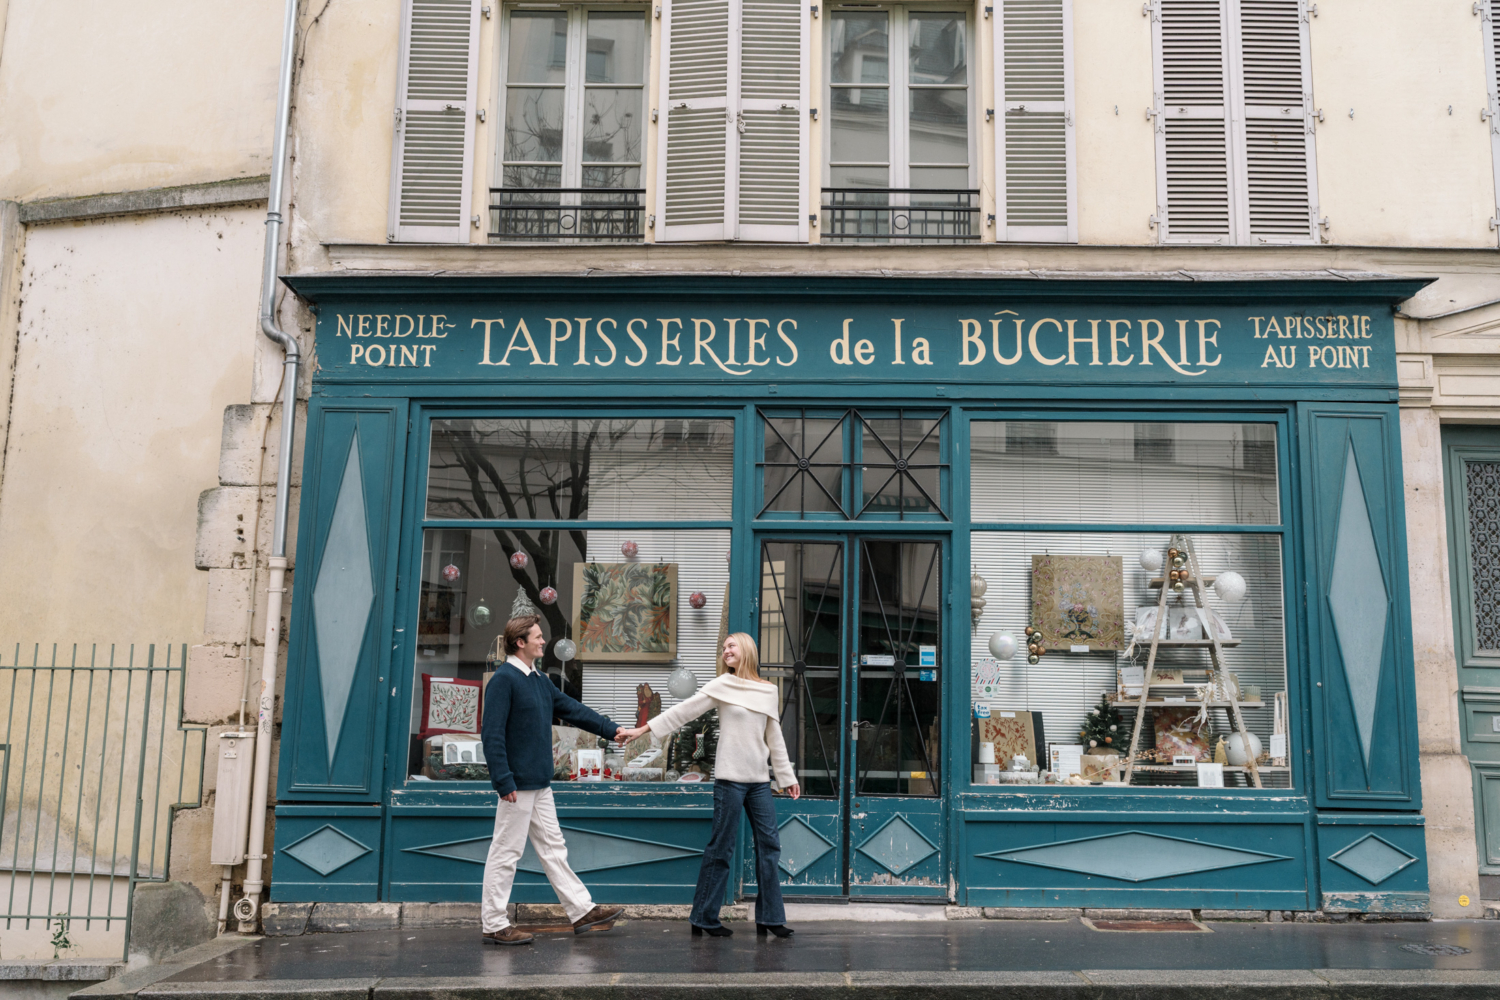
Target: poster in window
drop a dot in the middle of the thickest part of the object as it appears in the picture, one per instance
(625, 612)
(1078, 601)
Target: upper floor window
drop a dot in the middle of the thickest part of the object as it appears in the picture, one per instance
(572, 141)
(899, 132)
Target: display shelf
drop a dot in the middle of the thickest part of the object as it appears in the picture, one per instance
(1192, 768)
(1125, 701)
(1196, 643)
(1207, 581)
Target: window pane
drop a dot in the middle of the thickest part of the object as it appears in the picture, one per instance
(533, 123)
(803, 471)
(612, 125)
(940, 126)
(575, 469)
(534, 177)
(937, 51)
(1483, 484)
(872, 177)
(1063, 687)
(470, 588)
(939, 178)
(860, 125)
(900, 466)
(1122, 473)
(596, 176)
(616, 47)
(860, 46)
(538, 47)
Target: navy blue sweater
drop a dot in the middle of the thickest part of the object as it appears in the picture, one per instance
(518, 713)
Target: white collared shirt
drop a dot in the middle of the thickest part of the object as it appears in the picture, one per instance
(518, 663)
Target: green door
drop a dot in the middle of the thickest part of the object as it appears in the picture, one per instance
(851, 629)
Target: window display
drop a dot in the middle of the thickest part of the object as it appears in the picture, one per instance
(1116, 654)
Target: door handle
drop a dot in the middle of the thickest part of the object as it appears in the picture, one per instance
(855, 727)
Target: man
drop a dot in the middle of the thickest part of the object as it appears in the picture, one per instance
(519, 706)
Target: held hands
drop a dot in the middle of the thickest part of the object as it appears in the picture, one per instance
(624, 736)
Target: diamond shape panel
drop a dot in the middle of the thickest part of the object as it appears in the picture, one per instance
(897, 846)
(1134, 856)
(588, 851)
(801, 846)
(1357, 599)
(326, 850)
(1373, 859)
(343, 595)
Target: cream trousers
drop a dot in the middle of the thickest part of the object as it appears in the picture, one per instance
(533, 814)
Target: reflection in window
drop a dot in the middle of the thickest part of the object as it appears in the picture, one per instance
(562, 469)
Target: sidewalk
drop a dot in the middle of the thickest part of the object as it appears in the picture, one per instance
(899, 960)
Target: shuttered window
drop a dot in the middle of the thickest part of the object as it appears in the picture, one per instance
(1490, 25)
(733, 136)
(1234, 122)
(1036, 189)
(434, 142)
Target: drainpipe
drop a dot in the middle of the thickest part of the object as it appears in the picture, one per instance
(247, 909)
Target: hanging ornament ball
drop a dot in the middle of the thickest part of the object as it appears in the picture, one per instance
(629, 549)
(1230, 586)
(1151, 560)
(1031, 649)
(1172, 576)
(519, 560)
(1177, 587)
(1109, 739)
(1041, 650)
(1033, 658)
(1029, 630)
(564, 650)
(1171, 553)
(480, 615)
(1093, 743)
(1234, 748)
(450, 572)
(1002, 645)
(1113, 728)
(698, 599)
(1184, 574)
(1093, 711)
(681, 683)
(548, 595)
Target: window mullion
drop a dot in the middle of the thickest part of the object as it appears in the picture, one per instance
(572, 170)
(899, 74)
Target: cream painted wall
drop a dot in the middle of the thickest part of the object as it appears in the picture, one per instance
(1402, 171)
(98, 96)
(134, 336)
(1116, 152)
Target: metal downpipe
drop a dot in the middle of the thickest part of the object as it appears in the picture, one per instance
(247, 909)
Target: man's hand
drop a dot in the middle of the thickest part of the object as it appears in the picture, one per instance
(624, 736)
(509, 798)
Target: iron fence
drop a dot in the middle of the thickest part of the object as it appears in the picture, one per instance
(551, 215)
(94, 765)
(883, 215)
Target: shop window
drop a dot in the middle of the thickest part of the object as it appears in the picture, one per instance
(573, 126)
(633, 616)
(900, 129)
(1133, 495)
(894, 463)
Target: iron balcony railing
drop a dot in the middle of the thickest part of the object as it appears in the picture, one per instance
(552, 215)
(880, 215)
(94, 765)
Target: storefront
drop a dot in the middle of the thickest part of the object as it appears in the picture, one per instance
(885, 481)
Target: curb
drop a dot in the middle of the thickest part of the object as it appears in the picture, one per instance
(131, 982)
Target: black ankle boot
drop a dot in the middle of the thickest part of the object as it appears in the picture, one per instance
(780, 930)
(711, 931)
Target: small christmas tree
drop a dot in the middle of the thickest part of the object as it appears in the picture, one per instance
(1103, 730)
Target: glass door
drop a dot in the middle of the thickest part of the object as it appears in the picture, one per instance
(851, 632)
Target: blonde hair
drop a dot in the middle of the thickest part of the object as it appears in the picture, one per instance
(749, 668)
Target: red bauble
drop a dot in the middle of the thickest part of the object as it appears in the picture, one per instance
(519, 560)
(450, 572)
(629, 549)
(548, 595)
(698, 599)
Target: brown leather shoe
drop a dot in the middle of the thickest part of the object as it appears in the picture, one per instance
(509, 935)
(600, 918)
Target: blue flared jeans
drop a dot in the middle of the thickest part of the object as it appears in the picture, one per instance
(713, 877)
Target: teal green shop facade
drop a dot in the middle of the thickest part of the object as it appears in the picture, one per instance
(1312, 359)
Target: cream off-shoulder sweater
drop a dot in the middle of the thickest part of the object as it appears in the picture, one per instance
(749, 729)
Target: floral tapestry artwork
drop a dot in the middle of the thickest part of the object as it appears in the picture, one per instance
(1078, 601)
(624, 612)
(449, 705)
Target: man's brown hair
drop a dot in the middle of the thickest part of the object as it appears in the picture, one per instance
(516, 631)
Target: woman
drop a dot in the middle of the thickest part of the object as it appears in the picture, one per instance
(749, 735)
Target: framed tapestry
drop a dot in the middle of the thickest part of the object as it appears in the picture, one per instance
(450, 705)
(1078, 601)
(625, 612)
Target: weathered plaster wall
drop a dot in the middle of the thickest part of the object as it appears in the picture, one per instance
(134, 335)
(103, 97)
(1116, 151)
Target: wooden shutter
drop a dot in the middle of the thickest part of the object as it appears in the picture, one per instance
(434, 145)
(770, 195)
(1273, 85)
(1491, 29)
(1193, 195)
(694, 156)
(1036, 187)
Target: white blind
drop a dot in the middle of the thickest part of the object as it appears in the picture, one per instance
(434, 140)
(1491, 42)
(1034, 134)
(1064, 686)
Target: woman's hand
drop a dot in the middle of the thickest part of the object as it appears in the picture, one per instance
(624, 736)
(795, 791)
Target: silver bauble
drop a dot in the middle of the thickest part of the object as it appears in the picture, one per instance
(1002, 645)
